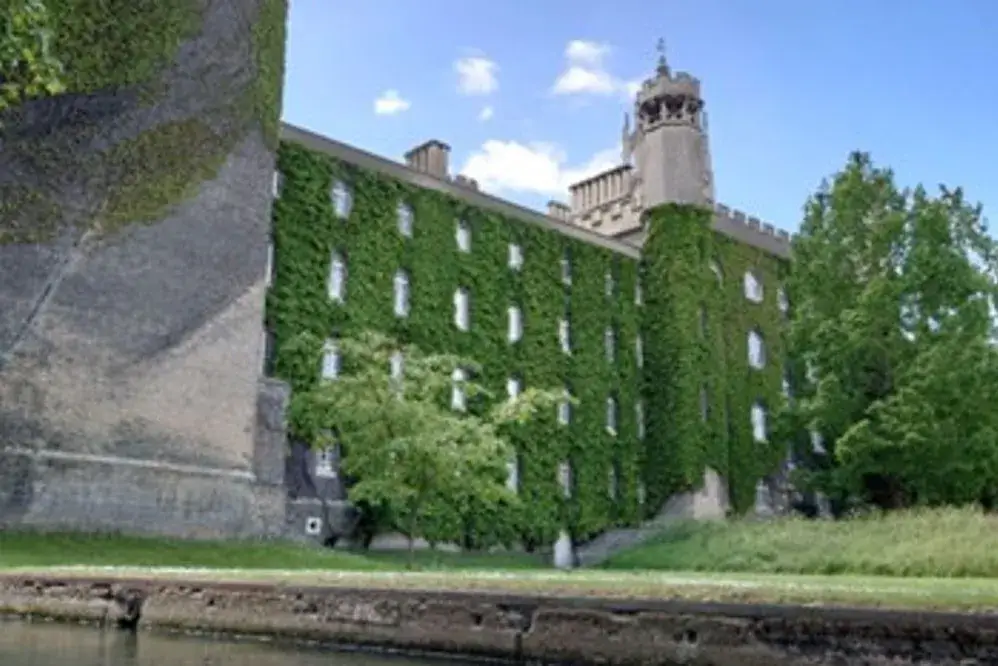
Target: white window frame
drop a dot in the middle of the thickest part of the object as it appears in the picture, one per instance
(565, 478)
(400, 296)
(611, 415)
(566, 269)
(277, 184)
(786, 387)
(782, 300)
(753, 287)
(818, 443)
(565, 335)
(704, 403)
(404, 215)
(565, 409)
(270, 264)
(639, 295)
(758, 418)
(336, 285)
(614, 487)
(396, 366)
(756, 350)
(342, 199)
(331, 360)
(610, 344)
(513, 474)
(462, 308)
(639, 418)
(609, 284)
(458, 401)
(513, 388)
(639, 351)
(715, 268)
(515, 324)
(462, 236)
(515, 256)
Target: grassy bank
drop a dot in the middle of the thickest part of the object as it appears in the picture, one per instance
(938, 543)
(26, 550)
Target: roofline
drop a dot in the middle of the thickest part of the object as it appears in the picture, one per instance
(404, 173)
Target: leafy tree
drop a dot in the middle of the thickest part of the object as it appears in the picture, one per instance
(892, 299)
(28, 66)
(420, 463)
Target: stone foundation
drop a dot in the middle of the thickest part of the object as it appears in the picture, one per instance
(549, 629)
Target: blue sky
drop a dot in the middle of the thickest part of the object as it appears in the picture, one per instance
(791, 87)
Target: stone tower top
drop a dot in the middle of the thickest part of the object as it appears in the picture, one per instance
(668, 98)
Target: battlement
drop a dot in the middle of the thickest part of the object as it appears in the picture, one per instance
(751, 230)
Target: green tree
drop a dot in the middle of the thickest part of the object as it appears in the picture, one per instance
(420, 463)
(891, 327)
(28, 65)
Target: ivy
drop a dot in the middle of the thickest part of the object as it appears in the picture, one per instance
(307, 232)
(699, 385)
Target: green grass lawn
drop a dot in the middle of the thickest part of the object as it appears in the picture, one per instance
(938, 543)
(926, 560)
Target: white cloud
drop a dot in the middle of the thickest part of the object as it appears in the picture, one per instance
(390, 103)
(486, 113)
(476, 76)
(586, 72)
(538, 168)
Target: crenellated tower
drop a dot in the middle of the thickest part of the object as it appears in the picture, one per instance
(669, 143)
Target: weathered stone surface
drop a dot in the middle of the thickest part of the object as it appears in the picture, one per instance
(549, 629)
(131, 311)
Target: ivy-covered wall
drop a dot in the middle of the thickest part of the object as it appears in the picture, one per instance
(699, 385)
(306, 234)
(693, 328)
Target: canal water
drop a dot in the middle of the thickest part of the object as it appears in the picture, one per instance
(37, 644)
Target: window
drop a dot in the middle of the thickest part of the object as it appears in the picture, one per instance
(612, 479)
(515, 324)
(396, 366)
(330, 360)
(515, 256)
(401, 300)
(325, 463)
(704, 403)
(639, 351)
(611, 415)
(818, 443)
(513, 474)
(758, 416)
(513, 388)
(566, 268)
(756, 350)
(639, 296)
(270, 264)
(565, 336)
(610, 343)
(404, 215)
(811, 370)
(278, 184)
(782, 301)
(639, 417)
(463, 236)
(565, 409)
(565, 478)
(703, 321)
(715, 268)
(753, 288)
(342, 199)
(337, 287)
(457, 401)
(608, 284)
(461, 318)
(787, 388)
(642, 493)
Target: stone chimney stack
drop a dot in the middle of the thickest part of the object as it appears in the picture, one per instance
(431, 158)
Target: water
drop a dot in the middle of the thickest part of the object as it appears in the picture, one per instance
(37, 644)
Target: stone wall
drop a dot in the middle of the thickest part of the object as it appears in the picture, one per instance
(571, 630)
(131, 334)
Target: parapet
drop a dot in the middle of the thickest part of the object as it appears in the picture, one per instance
(559, 211)
(751, 230)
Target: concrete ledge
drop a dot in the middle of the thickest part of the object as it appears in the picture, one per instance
(521, 628)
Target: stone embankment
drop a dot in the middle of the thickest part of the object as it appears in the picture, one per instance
(515, 628)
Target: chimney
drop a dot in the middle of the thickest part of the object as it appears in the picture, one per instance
(430, 158)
